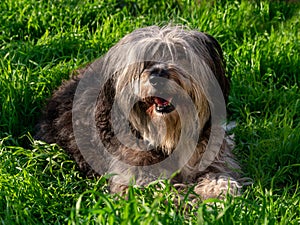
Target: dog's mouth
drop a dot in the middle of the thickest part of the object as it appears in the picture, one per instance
(163, 105)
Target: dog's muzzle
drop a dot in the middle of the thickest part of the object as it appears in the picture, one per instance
(158, 78)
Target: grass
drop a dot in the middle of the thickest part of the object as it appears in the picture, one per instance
(42, 42)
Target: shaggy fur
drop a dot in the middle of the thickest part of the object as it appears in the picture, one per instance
(145, 74)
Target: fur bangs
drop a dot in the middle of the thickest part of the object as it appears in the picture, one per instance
(193, 52)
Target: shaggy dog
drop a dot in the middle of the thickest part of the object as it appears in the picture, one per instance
(151, 108)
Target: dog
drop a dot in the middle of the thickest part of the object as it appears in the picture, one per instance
(151, 108)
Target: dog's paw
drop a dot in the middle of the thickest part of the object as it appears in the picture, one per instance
(217, 187)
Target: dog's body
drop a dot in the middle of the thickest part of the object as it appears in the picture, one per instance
(163, 78)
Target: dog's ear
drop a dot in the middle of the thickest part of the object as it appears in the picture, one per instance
(216, 61)
(216, 53)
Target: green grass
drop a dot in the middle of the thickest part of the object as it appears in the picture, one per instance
(42, 42)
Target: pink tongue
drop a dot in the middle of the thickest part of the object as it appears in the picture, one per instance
(160, 101)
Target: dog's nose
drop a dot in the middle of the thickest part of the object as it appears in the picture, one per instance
(158, 77)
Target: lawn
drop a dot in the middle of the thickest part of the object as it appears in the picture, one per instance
(42, 42)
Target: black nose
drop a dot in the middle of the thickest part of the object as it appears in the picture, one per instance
(158, 77)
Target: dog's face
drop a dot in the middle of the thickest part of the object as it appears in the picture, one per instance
(166, 73)
(163, 89)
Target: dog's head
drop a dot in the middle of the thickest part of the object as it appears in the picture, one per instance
(166, 72)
